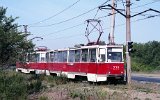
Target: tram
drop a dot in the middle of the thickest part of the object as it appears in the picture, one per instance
(97, 63)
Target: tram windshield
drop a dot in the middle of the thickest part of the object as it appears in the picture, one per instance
(114, 56)
(37, 57)
(33, 57)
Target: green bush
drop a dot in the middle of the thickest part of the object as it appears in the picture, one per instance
(146, 57)
(56, 80)
(17, 86)
(77, 95)
(12, 87)
(34, 86)
(43, 98)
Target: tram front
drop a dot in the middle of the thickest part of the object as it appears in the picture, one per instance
(111, 63)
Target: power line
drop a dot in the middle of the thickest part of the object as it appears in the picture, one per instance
(72, 27)
(66, 19)
(145, 4)
(149, 16)
(56, 14)
(69, 18)
(71, 36)
(119, 25)
(141, 19)
(98, 18)
(63, 30)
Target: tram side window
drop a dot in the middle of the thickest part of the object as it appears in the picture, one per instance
(55, 57)
(84, 55)
(42, 57)
(64, 56)
(92, 55)
(33, 57)
(36, 57)
(77, 56)
(52, 56)
(60, 58)
(71, 56)
(102, 55)
(29, 57)
(47, 57)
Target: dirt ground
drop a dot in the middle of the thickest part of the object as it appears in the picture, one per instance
(104, 91)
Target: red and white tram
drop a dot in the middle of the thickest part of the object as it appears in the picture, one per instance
(96, 62)
(35, 62)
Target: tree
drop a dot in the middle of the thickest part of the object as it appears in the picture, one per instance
(13, 44)
(147, 56)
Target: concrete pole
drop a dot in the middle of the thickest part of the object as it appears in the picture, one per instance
(128, 38)
(112, 23)
(25, 31)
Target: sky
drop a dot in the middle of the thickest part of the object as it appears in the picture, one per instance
(61, 28)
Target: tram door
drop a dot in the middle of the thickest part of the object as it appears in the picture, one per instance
(102, 55)
(37, 60)
(84, 61)
(40, 59)
(102, 64)
(92, 68)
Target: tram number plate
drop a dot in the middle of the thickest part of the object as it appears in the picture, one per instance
(115, 67)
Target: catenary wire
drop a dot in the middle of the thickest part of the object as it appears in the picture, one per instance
(83, 23)
(102, 17)
(71, 27)
(145, 4)
(88, 12)
(56, 14)
(118, 25)
(70, 18)
(62, 30)
(66, 19)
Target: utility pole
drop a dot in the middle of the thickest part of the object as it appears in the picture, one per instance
(112, 7)
(26, 31)
(128, 39)
(129, 43)
(111, 41)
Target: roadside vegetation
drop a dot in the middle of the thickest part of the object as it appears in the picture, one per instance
(19, 86)
(146, 57)
(13, 43)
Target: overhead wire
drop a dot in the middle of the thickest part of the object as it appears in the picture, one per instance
(62, 30)
(66, 19)
(56, 13)
(119, 25)
(145, 4)
(95, 15)
(71, 36)
(72, 27)
(69, 18)
(82, 23)
(82, 13)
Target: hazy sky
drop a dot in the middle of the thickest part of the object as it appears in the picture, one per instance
(56, 31)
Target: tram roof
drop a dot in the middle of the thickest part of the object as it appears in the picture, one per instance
(90, 46)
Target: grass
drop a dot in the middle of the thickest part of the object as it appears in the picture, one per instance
(86, 91)
(18, 86)
(43, 98)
